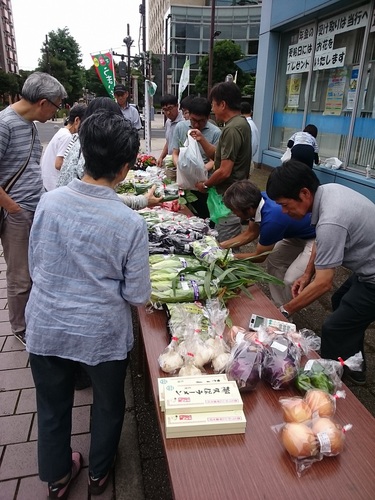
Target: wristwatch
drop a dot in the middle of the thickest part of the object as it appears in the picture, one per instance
(204, 185)
(284, 312)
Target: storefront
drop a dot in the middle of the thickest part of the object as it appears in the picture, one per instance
(319, 68)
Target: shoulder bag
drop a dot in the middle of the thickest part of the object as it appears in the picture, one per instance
(11, 182)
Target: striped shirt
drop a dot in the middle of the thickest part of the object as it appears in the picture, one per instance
(15, 142)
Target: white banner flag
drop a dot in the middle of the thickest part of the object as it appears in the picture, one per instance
(185, 77)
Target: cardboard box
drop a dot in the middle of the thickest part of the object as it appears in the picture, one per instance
(205, 424)
(177, 381)
(198, 398)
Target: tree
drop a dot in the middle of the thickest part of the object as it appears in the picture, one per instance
(9, 87)
(225, 52)
(61, 57)
(94, 84)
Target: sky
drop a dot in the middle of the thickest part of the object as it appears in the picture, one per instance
(96, 26)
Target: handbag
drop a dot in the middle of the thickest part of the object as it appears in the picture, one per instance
(11, 182)
(216, 206)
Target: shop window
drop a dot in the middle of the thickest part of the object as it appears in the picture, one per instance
(362, 151)
(333, 63)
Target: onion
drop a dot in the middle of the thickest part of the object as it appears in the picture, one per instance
(295, 410)
(331, 436)
(220, 362)
(189, 371)
(299, 440)
(170, 361)
(320, 402)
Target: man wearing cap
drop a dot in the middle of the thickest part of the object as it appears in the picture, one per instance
(129, 112)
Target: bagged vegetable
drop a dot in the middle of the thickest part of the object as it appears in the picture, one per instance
(295, 409)
(244, 365)
(170, 361)
(321, 403)
(208, 250)
(331, 435)
(309, 441)
(189, 369)
(321, 374)
(281, 362)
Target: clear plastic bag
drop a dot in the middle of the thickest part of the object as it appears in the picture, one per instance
(170, 361)
(281, 362)
(244, 365)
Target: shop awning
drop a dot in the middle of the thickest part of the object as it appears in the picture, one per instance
(248, 64)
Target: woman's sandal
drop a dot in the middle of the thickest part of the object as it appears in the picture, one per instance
(61, 490)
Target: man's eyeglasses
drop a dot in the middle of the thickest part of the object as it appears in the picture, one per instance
(168, 108)
(56, 106)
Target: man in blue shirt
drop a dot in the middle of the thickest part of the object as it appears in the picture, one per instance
(88, 259)
(290, 240)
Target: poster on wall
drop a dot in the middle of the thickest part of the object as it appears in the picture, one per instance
(335, 92)
(352, 88)
(294, 90)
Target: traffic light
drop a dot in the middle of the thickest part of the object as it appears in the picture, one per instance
(122, 69)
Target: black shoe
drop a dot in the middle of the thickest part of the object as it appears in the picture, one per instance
(21, 337)
(357, 378)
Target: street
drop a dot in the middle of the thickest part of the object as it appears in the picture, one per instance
(47, 130)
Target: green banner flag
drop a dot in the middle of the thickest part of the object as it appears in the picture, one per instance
(105, 70)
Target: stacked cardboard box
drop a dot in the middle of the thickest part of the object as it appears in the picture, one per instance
(201, 406)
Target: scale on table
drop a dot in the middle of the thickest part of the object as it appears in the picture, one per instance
(257, 321)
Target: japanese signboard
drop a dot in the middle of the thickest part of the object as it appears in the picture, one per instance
(105, 70)
(326, 56)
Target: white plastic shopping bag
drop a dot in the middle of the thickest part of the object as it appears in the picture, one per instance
(190, 165)
(286, 156)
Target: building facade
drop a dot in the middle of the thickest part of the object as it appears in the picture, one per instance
(316, 64)
(182, 28)
(8, 50)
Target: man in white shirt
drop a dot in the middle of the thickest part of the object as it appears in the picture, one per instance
(53, 155)
(247, 113)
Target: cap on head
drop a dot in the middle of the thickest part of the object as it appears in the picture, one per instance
(120, 88)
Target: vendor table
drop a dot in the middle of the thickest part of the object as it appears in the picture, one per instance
(254, 465)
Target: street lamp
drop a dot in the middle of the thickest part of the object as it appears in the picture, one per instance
(128, 41)
(213, 35)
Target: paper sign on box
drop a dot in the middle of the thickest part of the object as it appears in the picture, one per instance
(221, 396)
(202, 379)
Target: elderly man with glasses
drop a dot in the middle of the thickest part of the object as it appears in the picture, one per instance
(169, 106)
(20, 153)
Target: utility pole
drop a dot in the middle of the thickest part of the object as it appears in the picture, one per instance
(142, 10)
(211, 48)
(47, 57)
